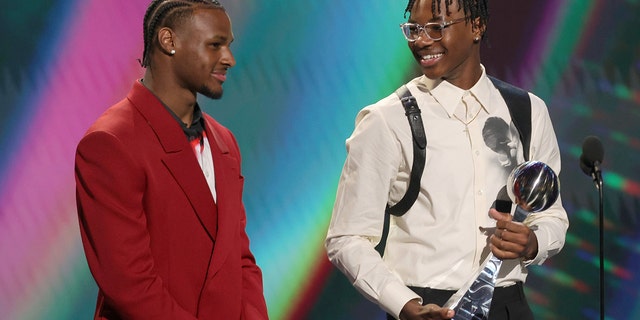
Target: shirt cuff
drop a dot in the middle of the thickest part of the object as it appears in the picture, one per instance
(395, 296)
(542, 254)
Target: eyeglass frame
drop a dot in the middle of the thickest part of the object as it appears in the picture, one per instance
(423, 28)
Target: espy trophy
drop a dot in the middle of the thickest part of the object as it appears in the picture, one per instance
(533, 186)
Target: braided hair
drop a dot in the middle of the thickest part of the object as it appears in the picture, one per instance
(167, 13)
(472, 8)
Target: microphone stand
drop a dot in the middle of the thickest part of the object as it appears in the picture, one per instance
(597, 179)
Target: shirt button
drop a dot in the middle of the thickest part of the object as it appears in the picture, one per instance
(206, 174)
(480, 192)
(477, 152)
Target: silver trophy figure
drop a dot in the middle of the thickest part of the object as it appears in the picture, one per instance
(533, 186)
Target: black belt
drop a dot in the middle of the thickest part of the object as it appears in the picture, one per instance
(510, 297)
(501, 295)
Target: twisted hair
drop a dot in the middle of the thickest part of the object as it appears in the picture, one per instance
(472, 8)
(167, 13)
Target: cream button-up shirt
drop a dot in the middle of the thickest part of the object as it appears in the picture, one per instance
(443, 238)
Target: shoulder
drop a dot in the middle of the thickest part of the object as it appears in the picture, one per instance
(383, 124)
(117, 120)
(380, 119)
(113, 132)
(123, 115)
(390, 107)
(538, 105)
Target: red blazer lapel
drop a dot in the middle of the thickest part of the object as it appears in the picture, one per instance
(228, 190)
(179, 158)
(194, 185)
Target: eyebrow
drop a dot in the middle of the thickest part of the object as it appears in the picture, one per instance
(433, 19)
(223, 38)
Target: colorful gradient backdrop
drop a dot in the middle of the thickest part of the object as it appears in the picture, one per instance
(304, 70)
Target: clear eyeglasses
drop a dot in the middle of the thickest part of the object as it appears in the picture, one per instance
(433, 30)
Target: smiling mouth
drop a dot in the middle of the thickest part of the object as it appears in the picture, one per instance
(220, 76)
(432, 56)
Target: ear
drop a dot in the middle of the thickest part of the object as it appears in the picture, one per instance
(478, 28)
(166, 40)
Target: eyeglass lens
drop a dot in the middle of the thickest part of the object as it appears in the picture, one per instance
(412, 31)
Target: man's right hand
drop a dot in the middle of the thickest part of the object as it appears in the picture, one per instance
(413, 310)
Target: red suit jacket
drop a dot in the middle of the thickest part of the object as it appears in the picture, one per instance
(147, 219)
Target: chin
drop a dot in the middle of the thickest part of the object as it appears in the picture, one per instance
(215, 95)
(432, 75)
(210, 93)
(435, 75)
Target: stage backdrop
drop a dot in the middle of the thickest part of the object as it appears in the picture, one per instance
(304, 69)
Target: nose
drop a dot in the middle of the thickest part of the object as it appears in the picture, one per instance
(227, 58)
(422, 41)
(424, 37)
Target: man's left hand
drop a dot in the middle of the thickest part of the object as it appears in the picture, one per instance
(512, 239)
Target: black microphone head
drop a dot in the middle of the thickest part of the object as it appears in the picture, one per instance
(503, 201)
(592, 150)
(585, 165)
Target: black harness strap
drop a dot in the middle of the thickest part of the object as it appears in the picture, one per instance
(419, 152)
(412, 111)
(519, 105)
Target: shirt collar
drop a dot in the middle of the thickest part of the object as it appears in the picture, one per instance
(449, 96)
(194, 130)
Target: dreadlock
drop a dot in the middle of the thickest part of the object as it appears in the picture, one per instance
(472, 8)
(167, 13)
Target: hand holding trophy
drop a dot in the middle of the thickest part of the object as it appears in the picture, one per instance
(533, 186)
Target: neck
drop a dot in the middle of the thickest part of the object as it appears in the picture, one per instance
(466, 75)
(182, 102)
(468, 82)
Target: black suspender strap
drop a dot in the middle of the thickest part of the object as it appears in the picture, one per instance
(419, 156)
(419, 153)
(519, 105)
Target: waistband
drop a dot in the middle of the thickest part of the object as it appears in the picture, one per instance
(501, 295)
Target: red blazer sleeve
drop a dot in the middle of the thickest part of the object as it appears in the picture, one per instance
(110, 185)
(254, 306)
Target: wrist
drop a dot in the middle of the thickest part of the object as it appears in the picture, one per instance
(410, 308)
(532, 249)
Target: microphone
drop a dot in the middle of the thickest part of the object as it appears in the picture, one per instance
(590, 161)
(591, 158)
(503, 202)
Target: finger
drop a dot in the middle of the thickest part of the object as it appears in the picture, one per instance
(509, 230)
(447, 314)
(502, 254)
(504, 249)
(436, 312)
(501, 249)
(500, 216)
(515, 227)
(520, 236)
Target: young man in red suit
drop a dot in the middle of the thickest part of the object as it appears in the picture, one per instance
(159, 186)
